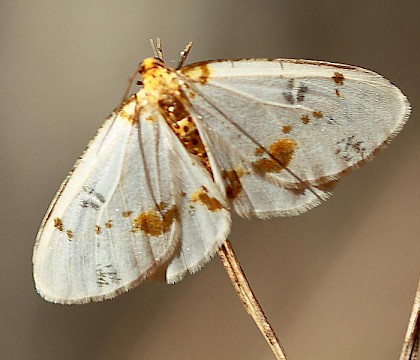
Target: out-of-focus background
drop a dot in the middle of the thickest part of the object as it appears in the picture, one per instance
(336, 283)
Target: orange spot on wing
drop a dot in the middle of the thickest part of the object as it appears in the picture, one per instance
(127, 213)
(286, 129)
(338, 78)
(318, 114)
(259, 151)
(58, 223)
(327, 186)
(154, 222)
(198, 73)
(129, 111)
(305, 119)
(281, 151)
(202, 197)
(232, 178)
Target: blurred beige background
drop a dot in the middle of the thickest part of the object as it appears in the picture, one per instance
(336, 283)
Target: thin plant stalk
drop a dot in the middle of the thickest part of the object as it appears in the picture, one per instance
(250, 302)
(410, 349)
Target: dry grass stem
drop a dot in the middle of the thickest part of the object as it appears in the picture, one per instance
(253, 308)
(410, 350)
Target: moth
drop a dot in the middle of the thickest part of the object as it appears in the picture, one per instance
(150, 198)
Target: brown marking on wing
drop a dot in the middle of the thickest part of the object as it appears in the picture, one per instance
(302, 90)
(202, 197)
(58, 223)
(289, 97)
(154, 222)
(69, 234)
(108, 224)
(198, 73)
(318, 114)
(305, 119)
(327, 186)
(97, 229)
(127, 213)
(337, 92)
(297, 191)
(128, 110)
(338, 78)
(267, 165)
(259, 151)
(286, 129)
(162, 206)
(233, 182)
(322, 183)
(282, 150)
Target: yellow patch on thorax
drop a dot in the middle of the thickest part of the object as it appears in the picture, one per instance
(159, 82)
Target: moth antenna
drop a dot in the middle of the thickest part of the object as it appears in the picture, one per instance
(157, 49)
(183, 55)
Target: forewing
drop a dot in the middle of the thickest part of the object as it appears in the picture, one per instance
(296, 122)
(114, 220)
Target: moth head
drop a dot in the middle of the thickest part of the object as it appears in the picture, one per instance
(150, 64)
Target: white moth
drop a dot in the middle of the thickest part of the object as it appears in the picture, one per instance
(150, 196)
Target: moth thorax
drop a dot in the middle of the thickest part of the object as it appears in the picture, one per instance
(157, 78)
(162, 88)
